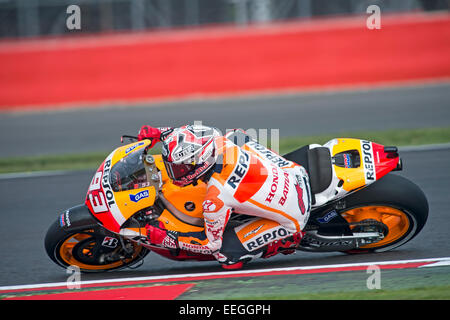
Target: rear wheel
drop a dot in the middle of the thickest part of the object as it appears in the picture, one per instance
(394, 204)
(398, 226)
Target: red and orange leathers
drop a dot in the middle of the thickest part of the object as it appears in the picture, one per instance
(255, 181)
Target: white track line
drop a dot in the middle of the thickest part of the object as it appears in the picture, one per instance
(437, 264)
(192, 276)
(425, 147)
(34, 174)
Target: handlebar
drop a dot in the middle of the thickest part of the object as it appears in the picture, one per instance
(132, 138)
(129, 137)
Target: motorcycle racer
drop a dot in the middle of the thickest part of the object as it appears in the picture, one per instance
(242, 176)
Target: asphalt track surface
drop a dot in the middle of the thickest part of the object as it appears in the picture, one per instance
(73, 131)
(29, 205)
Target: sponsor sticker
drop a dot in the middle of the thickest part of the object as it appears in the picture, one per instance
(283, 198)
(240, 170)
(328, 217)
(131, 148)
(265, 238)
(100, 197)
(110, 242)
(209, 206)
(195, 248)
(139, 196)
(254, 231)
(274, 185)
(64, 219)
(347, 161)
(368, 161)
(299, 186)
(276, 159)
(189, 206)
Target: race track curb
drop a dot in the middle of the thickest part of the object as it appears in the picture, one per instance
(169, 287)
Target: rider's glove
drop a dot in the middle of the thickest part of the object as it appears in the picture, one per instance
(162, 237)
(148, 132)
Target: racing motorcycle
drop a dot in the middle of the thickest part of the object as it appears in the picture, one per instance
(371, 209)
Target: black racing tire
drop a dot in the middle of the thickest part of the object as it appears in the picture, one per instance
(395, 195)
(81, 244)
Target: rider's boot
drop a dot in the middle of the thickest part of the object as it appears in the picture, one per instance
(285, 246)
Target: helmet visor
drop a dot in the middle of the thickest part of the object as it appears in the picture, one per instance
(184, 174)
(178, 171)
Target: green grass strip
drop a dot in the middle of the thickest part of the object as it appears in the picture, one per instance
(80, 161)
(404, 137)
(419, 293)
(52, 162)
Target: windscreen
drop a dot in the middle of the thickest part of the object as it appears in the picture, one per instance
(129, 173)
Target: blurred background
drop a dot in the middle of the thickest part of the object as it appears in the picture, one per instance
(302, 67)
(203, 60)
(31, 18)
(83, 52)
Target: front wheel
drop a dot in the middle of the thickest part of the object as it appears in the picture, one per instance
(90, 248)
(395, 204)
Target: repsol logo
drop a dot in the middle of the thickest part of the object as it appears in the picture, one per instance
(369, 165)
(240, 170)
(105, 183)
(266, 238)
(269, 155)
